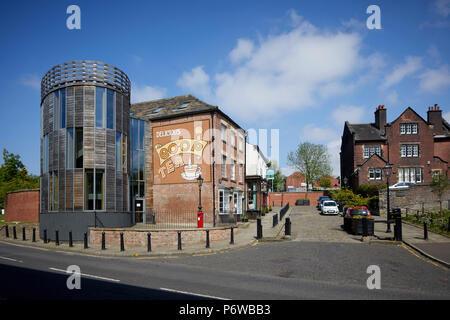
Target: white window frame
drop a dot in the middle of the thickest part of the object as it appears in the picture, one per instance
(371, 174)
(224, 166)
(224, 133)
(221, 199)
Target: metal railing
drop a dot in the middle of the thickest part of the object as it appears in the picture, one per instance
(84, 72)
(187, 219)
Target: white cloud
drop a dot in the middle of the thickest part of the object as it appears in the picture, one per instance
(352, 114)
(411, 65)
(442, 7)
(314, 134)
(392, 98)
(283, 72)
(446, 116)
(432, 80)
(196, 82)
(243, 50)
(146, 93)
(31, 80)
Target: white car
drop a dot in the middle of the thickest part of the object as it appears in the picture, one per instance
(329, 207)
(400, 185)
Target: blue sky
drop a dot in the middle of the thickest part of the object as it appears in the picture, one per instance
(302, 67)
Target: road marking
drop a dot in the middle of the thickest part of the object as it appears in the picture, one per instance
(422, 258)
(193, 294)
(11, 259)
(87, 275)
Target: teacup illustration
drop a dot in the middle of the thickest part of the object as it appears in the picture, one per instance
(191, 172)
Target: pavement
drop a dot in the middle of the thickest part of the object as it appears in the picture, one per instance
(307, 225)
(244, 235)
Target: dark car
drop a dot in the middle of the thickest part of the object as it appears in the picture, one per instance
(320, 200)
(358, 211)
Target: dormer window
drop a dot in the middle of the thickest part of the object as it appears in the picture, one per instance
(183, 106)
(157, 110)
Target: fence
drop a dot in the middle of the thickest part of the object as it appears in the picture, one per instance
(434, 220)
(165, 219)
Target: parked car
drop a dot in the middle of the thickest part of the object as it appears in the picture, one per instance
(358, 211)
(329, 207)
(320, 200)
(400, 185)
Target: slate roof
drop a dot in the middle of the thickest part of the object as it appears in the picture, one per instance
(173, 107)
(365, 132)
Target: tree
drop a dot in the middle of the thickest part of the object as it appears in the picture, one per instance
(311, 160)
(438, 186)
(14, 176)
(279, 179)
(325, 182)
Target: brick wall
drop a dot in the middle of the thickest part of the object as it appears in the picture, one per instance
(279, 198)
(413, 198)
(22, 206)
(159, 238)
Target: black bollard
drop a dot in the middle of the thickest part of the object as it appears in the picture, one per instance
(232, 235)
(425, 230)
(14, 232)
(122, 244)
(207, 238)
(259, 229)
(179, 240)
(7, 231)
(70, 239)
(34, 235)
(85, 241)
(57, 237)
(45, 236)
(149, 242)
(398, 226)
(103, 241)
(23, 234)
(287, 226)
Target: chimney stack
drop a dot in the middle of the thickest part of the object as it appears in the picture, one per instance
(380, 118)
(434, 117)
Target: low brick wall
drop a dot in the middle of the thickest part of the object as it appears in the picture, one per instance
(22, 206)
(160, 238)
(282, 198)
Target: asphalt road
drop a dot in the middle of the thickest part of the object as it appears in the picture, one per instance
(281, 270)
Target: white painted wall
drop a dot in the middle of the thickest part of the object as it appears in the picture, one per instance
(256, 162)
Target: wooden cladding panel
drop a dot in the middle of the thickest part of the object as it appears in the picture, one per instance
(110, 189)
(79, 106)
(62, 149)
(44, 193)
(100, 148)
(125, 113)
(70, 107)
(110, 149)
(88, 152)
(89, 110)
(69, 190)
(62, 189)
(78, 190)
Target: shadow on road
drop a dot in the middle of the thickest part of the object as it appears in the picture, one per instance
(28, 284)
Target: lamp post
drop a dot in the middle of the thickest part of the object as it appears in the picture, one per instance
(387, 171)
(345, 181)
(200, 183)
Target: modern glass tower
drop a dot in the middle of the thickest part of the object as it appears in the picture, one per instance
(85, 148)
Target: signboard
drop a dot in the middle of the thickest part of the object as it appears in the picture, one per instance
(270, 174)
(181, 152)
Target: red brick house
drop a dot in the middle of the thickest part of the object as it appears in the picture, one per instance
(416, 148)
(297, 181)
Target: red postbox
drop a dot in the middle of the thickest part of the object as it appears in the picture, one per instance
(199, 219)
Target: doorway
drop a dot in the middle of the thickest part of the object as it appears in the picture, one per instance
(139, 210)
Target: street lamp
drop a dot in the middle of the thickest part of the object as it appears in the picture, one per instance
(200, 183)
(387, 171)
(345, 181)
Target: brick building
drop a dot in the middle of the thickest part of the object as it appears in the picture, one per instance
(22, 206)
(297, 181)
(181, 138)
(416, 148)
